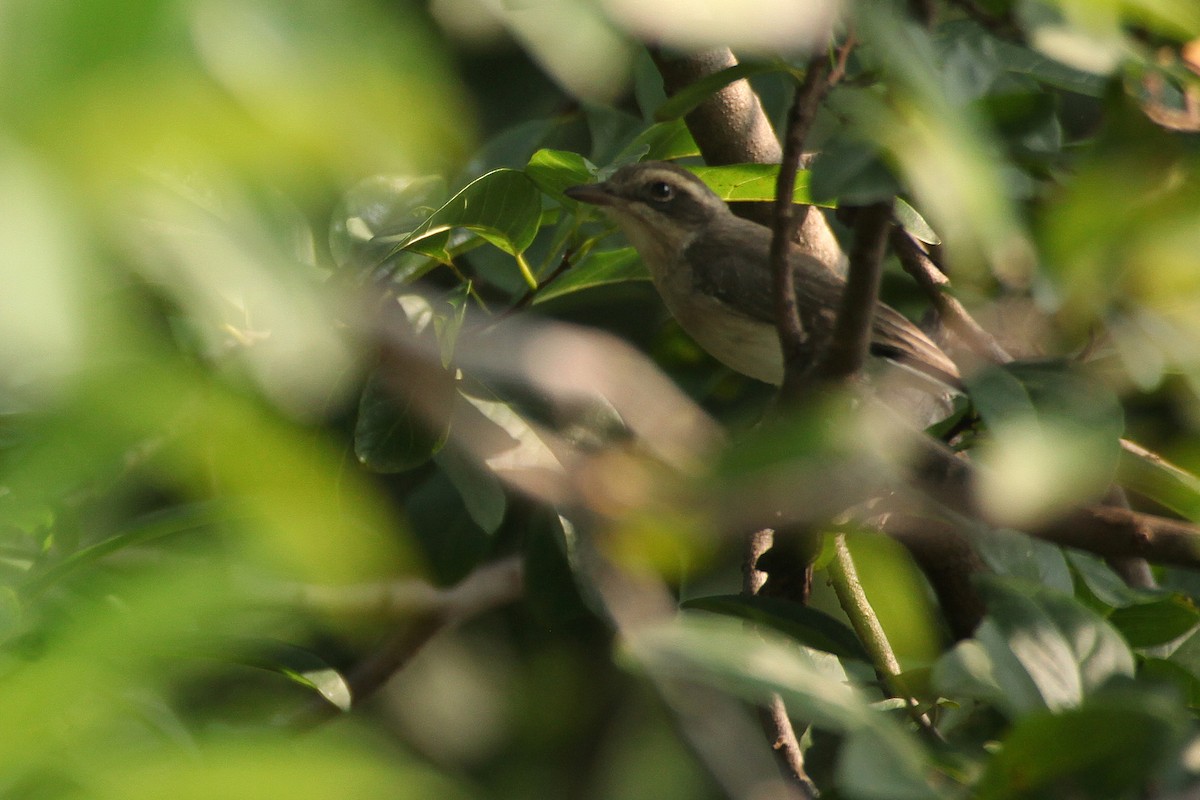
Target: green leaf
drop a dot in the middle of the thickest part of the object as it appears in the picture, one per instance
(389, 434)
(1173, 673)
(1161, 481)
(806, 625)
(753, 664)
(664, 141)
(481, 491)
(683, 101)
(303, 667)
(1109, 747)
(914, 223)
(1156, 622)
(598, 269)
(382, 206)
(851, 173)
(447, 325)
(504, 207)
(751, 182)
(1064, 648)
(555, 170)
(152, 527)
(1055, 439)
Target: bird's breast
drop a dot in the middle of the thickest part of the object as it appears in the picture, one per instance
(747, 345)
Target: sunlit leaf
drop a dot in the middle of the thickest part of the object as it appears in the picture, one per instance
(751, 182)
(1065, 649)
(555, 170)
(598, 269)
(1056, 439)
(503, 206)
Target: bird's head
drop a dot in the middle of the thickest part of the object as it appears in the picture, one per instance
(658, 205)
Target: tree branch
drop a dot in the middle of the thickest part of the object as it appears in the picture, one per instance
(774, 716)
(847, 352)
(433, 610)
(793, 339)
(920, 266)
(853, 600)
(730, 127)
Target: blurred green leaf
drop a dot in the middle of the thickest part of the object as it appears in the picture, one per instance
(852, 173)
(381, 206)
(172, 521)
(806, 625)
(752, 664)
(1163, 482)
(1153, 623)
(1109, 747)
(1055, 438)
(1065, 649)
(481, 491)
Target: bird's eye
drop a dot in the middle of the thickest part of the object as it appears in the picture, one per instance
(661, 191)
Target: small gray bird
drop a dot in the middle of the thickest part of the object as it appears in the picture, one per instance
(712, 269)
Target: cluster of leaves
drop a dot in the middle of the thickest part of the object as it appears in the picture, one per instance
(193, 412)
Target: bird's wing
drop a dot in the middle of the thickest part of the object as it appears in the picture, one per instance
(741, 279)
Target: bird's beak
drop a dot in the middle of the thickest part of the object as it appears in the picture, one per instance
(598, 194)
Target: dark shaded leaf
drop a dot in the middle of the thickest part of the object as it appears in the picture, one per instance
(1108, 748)
(806, 625)
(389, 435)
(482, 493)
(1156, 622)
(851, 173)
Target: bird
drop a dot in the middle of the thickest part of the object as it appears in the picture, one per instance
(712, 270)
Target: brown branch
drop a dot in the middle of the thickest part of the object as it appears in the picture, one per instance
(793, 339)
(847, 351)
(774, 717)
(434, 610)
(933, 281)
(1115, 532)
(730, 127)
(948, 561)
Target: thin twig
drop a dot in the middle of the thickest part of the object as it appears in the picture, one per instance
(774, 716)
(436, 610)
(853, 600)
(531, 294)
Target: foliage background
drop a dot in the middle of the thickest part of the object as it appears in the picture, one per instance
(234, 477)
